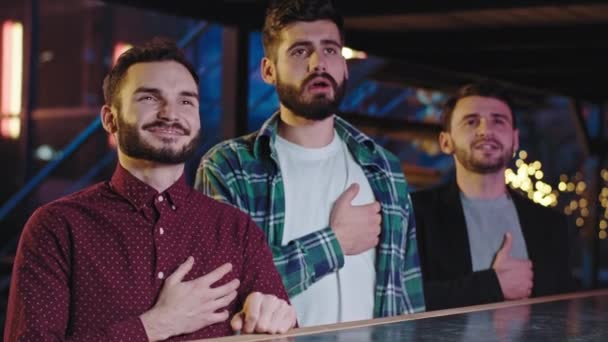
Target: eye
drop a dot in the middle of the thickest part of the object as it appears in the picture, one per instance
(147, 98)
(188, 102)
(299, 52)
(331, 51)
(471, 121)
(500, 121)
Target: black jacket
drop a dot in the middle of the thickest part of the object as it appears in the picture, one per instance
(443, 244)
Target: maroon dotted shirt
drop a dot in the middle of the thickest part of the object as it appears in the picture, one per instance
(89, 264)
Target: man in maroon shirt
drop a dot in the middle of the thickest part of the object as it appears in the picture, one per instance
(143, 256)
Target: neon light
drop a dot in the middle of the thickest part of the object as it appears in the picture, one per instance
(10, 127)
(119, 48)
(12, 79)
(6, 67)
(14, 127)
(17, 69)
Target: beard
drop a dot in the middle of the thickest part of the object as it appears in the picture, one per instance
(320, 106)
(471, 161)
(134, 145)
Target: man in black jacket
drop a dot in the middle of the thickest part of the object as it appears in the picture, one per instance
(479, 242)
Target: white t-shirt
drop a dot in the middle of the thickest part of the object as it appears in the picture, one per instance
(313, 179)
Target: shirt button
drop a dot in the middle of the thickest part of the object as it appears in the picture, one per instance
(161, 275)
(161, 231)
(173, 207)
(160, 198)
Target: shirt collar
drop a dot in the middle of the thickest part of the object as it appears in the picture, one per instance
(140, 194)
(358, 143)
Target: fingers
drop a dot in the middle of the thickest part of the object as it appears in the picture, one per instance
(264, 314)
(269, 305)
(178, 275)
(224, 290)
(251, 310)
(372, 213)
(371, 208)
(286, 318)
(216, 317)
(237, 321)
(222, 302)
(275, 316)
(215, 275)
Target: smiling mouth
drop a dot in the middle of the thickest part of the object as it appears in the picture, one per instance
(487, 146)
(167, 130)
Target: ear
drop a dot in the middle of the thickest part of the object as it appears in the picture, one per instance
(445, 143)
(108, 119)
(345, 68)
(268, 71)
(515, 140)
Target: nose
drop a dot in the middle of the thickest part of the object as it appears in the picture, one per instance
(317, 62)
(482, 128)
(168, 111)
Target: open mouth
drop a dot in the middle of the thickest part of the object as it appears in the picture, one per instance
(319, 84)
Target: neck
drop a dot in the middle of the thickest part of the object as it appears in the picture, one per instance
(481, 186)
(304, 132)
(157, 175)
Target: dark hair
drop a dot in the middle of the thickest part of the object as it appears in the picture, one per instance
(281, 13)
(156, 50)
(485, 89)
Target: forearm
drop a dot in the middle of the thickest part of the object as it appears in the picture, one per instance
(477, 288)
(305, 260)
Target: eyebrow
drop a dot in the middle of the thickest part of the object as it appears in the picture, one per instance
(331, 42)
(475, 115)
(308, 44)
(157, 92)
(147, 90)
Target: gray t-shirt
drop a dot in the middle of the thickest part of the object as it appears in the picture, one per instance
(487, 222)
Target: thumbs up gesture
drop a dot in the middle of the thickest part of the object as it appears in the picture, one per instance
(356, 226)
(514, 275)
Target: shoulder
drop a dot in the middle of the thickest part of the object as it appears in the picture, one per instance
(428, 196)
(232, 149)
(79, 200)
(57, 216)
(234, 156)
(393, 161)
(535, 210)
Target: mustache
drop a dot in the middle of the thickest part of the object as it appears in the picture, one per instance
(324, 75)
(164, 124)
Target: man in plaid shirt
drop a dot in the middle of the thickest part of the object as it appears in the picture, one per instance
(334, 205)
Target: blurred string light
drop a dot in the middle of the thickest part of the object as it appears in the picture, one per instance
(528, 178)
(578, 206)
(603, 198)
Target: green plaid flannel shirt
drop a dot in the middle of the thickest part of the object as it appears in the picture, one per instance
(245, 172)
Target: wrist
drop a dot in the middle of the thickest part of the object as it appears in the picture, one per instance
(155, 326)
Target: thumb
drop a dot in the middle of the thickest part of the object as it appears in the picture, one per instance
(507, 243)
(348, 195)
(237, 321)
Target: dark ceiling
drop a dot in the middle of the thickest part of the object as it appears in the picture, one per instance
(555, 46)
